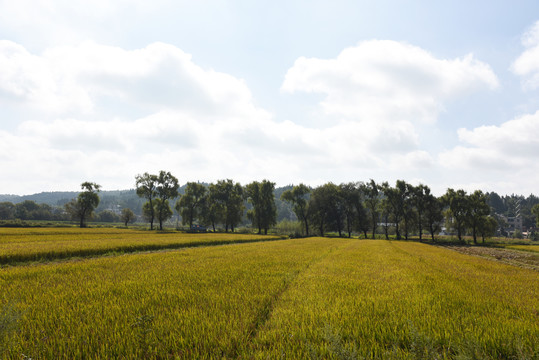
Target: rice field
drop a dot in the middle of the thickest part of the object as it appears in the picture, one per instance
(39, 244)
(530, 248)
(302, 298)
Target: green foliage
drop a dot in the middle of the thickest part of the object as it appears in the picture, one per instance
(487, 227)
(107, 216)
(157, 189)
(458, 204)
(294, 229)
(476, 213)
(372, 202)
(190, 204)
(325, 208)
(83, 207)
(146, 185)
(162, 211)
(228, 197)
(263, 215)
(535, 211)
(298, 196)
(433, 215)
(127, 216)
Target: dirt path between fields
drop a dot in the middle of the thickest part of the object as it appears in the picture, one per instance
(525, 259)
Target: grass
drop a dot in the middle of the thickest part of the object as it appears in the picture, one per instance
(302, 298)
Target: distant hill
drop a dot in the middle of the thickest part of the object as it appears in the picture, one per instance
(49, 198)
(118, 199)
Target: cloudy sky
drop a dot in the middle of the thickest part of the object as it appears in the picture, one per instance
(444, 93)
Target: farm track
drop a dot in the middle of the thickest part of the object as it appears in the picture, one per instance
(529, 260)
(267, 309)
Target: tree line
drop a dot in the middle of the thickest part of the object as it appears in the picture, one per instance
(355, 207)
(366, 208)
(222, 203)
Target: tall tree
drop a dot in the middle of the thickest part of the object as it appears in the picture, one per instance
(457, 202)
(385, 207)
(212, 209)
(419, 195)
(190, 203)
(396, 198)
(324, 208)
(477, 210)
(535, 211)
(127, 216)
(409, 213)
(350, 198)
(7, 210)
(372, 202)
(229, 195)
(487, 227)
(167, 188)
(162, 211)
(85, 204)
(298, 196)
(146, 185)
(264, 213)
(432, 214)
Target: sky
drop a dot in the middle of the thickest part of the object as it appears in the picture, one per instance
(442, 93)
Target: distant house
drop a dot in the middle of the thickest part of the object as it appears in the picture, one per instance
(510, 224)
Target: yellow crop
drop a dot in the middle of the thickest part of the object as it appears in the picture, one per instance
(530, 248)
(306, 298)
(27, 244)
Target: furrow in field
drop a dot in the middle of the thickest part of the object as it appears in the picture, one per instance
(194, 303)
(272, 301)
(377, 299)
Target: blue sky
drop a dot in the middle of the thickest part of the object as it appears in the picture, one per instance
(443, 93)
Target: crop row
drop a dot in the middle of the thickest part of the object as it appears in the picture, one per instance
(24, 244)
(307, 298)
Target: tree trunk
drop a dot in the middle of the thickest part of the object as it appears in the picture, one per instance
(306, 226)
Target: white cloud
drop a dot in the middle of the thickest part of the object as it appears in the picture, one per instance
(527, 64)
(105, 114)
(377, 95)
(505, 155)
(387, 81)
(82, 78)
